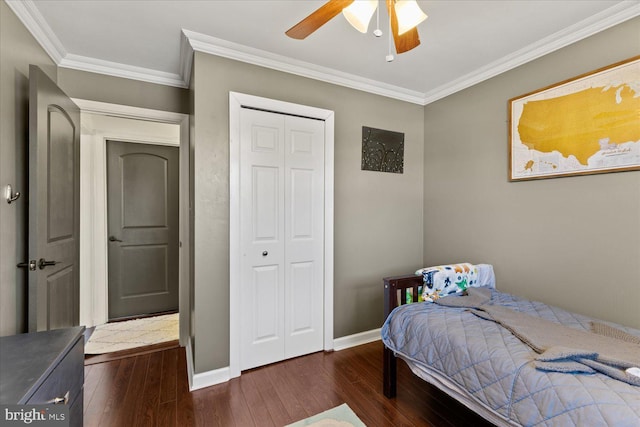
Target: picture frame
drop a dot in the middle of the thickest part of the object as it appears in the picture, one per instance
(585, 125)
(382, 150)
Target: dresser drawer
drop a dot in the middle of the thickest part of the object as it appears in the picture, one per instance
(66, 379)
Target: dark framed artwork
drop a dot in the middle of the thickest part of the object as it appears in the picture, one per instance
(382, 150)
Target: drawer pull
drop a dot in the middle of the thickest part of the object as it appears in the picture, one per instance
(60, 400)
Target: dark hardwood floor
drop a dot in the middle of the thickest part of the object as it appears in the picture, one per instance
(152, 390)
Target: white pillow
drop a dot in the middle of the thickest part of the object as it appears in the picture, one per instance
(443, 280)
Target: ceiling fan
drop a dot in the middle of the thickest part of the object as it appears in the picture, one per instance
(404, 16)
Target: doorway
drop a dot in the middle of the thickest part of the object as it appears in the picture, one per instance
(142, 221)
(238, 102)
(102, 122)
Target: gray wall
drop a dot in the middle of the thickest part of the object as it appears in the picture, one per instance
(18, 49)
(573, 242)
(378, 216)
(116, 90)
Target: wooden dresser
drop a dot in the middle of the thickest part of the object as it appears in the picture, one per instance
(43, 367)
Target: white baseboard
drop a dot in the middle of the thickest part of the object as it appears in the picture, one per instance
(204, 379)
(356, 339)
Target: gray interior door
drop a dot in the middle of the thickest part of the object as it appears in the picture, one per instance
(142, 200)
(54, 205)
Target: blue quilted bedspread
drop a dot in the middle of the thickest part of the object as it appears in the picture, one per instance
(496, 368)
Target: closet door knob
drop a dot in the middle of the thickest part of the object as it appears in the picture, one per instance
(265, 253)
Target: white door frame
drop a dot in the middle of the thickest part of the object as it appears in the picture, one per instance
(94, 300)
(236, 102)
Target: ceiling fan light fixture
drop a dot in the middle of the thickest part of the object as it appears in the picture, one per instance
(359, 13)
(409, 15)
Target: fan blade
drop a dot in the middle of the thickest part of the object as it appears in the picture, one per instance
(317, 19)
(406, 41)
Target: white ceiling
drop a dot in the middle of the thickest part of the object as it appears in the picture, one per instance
(463, 42)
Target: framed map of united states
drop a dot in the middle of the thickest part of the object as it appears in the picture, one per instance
(585, 125)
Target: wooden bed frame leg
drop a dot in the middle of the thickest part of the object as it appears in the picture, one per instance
(389, 373)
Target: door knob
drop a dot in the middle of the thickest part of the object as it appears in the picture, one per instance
(114, 239)
(31, 265)
(42, 263)
(265, 253)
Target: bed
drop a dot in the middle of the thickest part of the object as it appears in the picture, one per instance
(483, 365)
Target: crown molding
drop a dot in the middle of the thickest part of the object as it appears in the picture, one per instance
(223, 48)
(33, 20)
(30, 16)
(608, 18)
(186, 58)
(93, 65)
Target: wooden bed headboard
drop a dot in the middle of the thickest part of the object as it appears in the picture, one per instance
(401, 290)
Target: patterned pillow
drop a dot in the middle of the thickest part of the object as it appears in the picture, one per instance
(443, 280)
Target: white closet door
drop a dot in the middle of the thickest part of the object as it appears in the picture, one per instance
(282, 229)
(304, 235)
(262, 237)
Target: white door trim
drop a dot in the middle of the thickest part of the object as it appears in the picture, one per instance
(236, 102)
(94, 298)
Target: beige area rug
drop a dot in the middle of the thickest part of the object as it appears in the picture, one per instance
(340, 416)
(118, 336)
